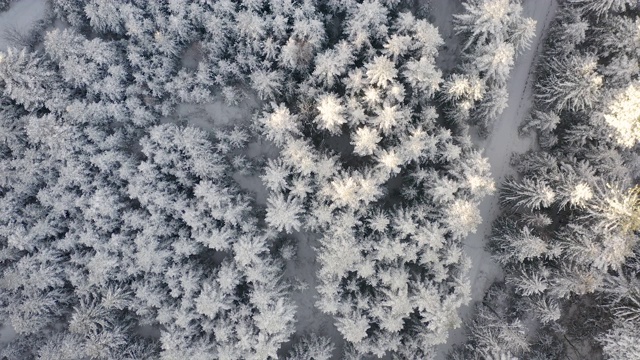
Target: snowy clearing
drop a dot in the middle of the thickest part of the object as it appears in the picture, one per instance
(215, 114)
(19, 20)
(498, 147)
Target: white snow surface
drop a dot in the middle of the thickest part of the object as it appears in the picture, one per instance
(499, 146)
(440, 14)
(216, 113)
(21, 17)
(301, 271)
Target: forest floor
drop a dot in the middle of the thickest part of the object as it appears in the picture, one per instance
(499, 146)
(17, 22)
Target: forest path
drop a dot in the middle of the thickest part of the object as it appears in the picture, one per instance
(499, 146)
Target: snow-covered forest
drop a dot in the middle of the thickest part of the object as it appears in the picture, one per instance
(568, 235)
(303, 179)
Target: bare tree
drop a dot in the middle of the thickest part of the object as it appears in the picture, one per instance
(16, 37)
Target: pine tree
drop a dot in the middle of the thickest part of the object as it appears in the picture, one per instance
(28, 79)
(381, 71)
(530, 194)
(365, 141)
(601, 8)
(520, 245)
(331, 115)
(573, 83)
(495, 61)
(283, 214)
(312, 348)
(268, 84)
(280, 124)
(621, 342)
(103, 16)
(484, 18)
(523, 33)
(623, 116)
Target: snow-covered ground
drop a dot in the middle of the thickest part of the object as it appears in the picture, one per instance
(498, 147)
(301, 271)
(440, 13)
(19, 20)
(215, 114)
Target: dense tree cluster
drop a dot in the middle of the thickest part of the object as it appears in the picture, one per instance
(361, 122)
(125, 236)
(493, 33)
(568, 240)
(101, 242)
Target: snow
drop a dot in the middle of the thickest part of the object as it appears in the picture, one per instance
(21, 17)
(499, 147)
(216, 113)
(7, 334)
(302, 270)
(440, 13)
(192, 56)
